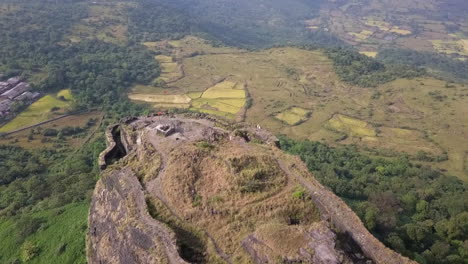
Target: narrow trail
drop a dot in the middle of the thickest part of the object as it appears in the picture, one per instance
(155, 190)
(163, 233)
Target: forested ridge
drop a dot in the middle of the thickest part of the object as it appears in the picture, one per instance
(362, 70)
(414, 209)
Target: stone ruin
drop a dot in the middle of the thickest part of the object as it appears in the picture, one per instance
(165, 130)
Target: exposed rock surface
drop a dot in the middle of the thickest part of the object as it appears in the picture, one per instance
(180, 190)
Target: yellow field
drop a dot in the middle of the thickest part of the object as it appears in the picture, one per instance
(371, 54)
(231, 106)
(39, 111)
(351, 126)
(223, 93)
(22, 138)
(150, 44)
(175, 43)
(400, 31)
(66, 93)
(293, 116)
(363, 35)
(163, 58)
(224, 89)
(195, 95)
(464, 43)
(451, 47)
(160, 98)
(169, 106)
(168, 67)
(384, 26)
(214, 112)
(225, 98)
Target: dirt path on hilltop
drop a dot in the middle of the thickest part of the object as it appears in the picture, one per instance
(154, 190)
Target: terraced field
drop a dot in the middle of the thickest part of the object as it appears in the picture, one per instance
(416, 25)
(351, 126)
(106, 22)
(34, 138)
(294, 116)
(285, 85)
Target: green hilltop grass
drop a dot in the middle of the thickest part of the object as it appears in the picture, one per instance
(60, 240)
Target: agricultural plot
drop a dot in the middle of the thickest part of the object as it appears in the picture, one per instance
(107, 22)
(451, 47)
(351, 126)
(222, 99)
(225, 99)
(160, 98)
(47, 107)
(163, 58)
(223, 90)
(396, 139)
(399, 24)
(384, 26)
(294, 116)
(363, 35)
(400, 31)
(169, 69)
(189, 46)
(34, 137)
(371, 54)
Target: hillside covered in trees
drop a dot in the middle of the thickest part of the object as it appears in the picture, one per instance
(412, 208)
(98, 51)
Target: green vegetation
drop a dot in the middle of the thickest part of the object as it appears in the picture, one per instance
(87, 56)
(358, 69)
(44, 202)
(415, 210)
(436, 64)
(59, 237)
(97, 72)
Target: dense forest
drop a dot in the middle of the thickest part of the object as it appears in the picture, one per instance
(438, 65)
(361, 70)
(97, 72)
(414, 209)
(34, 182)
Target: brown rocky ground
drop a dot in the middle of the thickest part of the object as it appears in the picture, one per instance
(193, 190)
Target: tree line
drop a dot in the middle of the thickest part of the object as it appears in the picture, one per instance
(419, 212)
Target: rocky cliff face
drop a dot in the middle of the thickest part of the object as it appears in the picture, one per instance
(185, 190)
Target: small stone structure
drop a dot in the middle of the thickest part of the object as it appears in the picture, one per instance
(165, 130)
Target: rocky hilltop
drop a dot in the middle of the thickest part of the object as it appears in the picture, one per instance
(192, 190)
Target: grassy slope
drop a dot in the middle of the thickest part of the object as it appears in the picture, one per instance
(280, 78)
(65, 229)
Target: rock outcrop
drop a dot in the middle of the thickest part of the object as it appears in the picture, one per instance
(185, 190)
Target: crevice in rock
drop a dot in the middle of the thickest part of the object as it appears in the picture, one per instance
(118, 152)
(347, 244)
